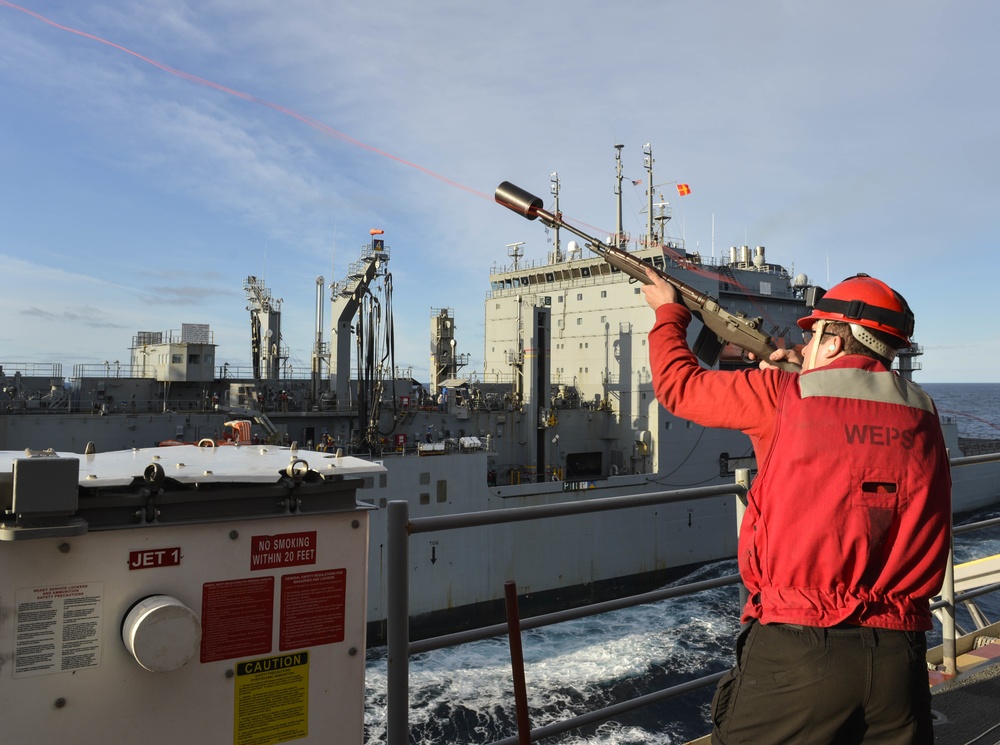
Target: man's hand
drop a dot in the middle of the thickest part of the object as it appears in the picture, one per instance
(791, 355)
(660, 292)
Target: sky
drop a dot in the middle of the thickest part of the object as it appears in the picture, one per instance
(155, 154)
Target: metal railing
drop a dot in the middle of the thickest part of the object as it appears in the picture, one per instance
(399, 647)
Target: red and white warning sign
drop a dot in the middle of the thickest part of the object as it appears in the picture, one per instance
(312, 608)
(283, 550)
(237, 618)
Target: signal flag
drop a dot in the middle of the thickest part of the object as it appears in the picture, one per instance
(683, 189)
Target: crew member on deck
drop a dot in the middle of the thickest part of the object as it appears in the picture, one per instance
(847, 528)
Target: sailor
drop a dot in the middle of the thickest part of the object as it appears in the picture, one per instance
(847, 528)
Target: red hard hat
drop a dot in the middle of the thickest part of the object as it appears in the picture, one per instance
(868, 302)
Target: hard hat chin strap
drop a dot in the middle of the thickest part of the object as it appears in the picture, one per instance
(817, 339)
(867, 338)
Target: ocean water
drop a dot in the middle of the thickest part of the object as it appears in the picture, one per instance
(974, 406)
(464, 694)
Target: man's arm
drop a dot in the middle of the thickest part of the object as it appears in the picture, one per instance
(743, 400)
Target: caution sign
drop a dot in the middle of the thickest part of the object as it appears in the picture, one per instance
(272, 700)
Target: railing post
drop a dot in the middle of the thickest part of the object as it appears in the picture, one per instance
(398, 624)
(742, 479)
(948, 650)
(517, 663)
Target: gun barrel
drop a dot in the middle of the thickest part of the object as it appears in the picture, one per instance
(517, 199)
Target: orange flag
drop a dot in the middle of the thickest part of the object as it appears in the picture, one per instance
(683, 189)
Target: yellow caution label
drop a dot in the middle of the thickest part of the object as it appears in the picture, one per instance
(272, 700)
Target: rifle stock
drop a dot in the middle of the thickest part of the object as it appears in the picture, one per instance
(724, 326)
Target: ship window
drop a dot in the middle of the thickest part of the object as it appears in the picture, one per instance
(658, 261)
(579, 296)
(669, 425)
(560, 298)
(584, 465)
(425, 478)
(585, 271)
(194, 359)
(442, 490)
(604, 293)
(425, 498)
(579, 321)
(636, 290)
(176, 359)
(604, 319)
(382, 503)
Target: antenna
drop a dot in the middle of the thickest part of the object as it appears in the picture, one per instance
(515, 251)
(554, 188)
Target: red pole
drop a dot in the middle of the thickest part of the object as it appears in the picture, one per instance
(517, 663)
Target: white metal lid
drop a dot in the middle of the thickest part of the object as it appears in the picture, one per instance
(161, 633)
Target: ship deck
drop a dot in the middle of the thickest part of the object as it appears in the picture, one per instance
(965, 706)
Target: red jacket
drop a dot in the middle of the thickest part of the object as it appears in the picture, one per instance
(849, 517)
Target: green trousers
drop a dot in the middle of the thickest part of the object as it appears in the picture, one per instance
(802, 684)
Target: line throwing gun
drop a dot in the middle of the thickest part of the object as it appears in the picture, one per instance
(720, 326)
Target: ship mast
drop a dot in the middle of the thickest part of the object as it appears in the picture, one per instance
(320, 349)
(647, 159)
(554, 188)
(619, 232)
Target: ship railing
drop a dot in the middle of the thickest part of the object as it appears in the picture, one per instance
(32, 369)
(399, 647)
(400, 527)
(114, 369)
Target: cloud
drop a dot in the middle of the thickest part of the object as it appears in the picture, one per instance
(852, 134)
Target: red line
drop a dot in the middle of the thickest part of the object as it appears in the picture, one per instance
(305, 119)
